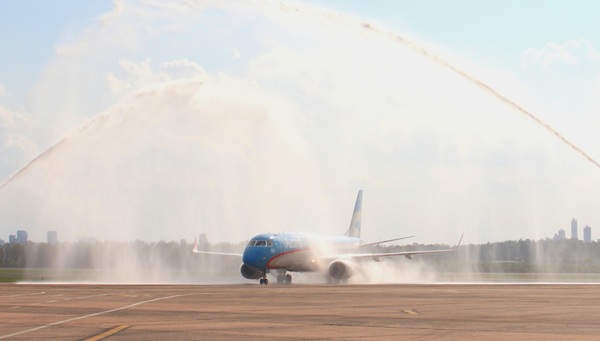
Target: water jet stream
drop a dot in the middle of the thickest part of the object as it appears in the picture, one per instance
(485, 87)
(394, 36)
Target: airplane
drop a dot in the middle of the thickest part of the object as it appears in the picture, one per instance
(302, 252)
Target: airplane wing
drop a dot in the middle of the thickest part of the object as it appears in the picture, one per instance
(407, 254)
(218, 253)
(383, 241)
(195, 250)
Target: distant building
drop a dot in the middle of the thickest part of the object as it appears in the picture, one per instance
(2, 242)
(202, 242)
(52, 237)
(22, 237)
(574, 229)
(587, 234)
(12, 239)
(560, 235)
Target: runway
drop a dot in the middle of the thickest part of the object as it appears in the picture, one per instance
(299, 312)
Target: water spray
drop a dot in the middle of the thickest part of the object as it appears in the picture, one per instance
(483, 86)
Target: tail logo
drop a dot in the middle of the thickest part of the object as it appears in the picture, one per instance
(355, 222)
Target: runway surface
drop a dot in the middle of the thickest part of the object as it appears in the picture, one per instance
(299, 312)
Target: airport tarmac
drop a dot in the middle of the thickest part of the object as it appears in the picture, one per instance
(300, 312)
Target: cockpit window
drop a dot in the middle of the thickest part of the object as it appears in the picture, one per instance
(262, 243)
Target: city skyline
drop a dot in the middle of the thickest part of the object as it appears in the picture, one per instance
(587, 233)
(52, 236)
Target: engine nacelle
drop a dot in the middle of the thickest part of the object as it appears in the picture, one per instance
(250, 272)
(342, 269)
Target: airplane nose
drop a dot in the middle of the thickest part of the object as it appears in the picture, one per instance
(254, 257)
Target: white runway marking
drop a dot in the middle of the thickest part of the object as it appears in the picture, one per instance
(28, 294)
(90, 315)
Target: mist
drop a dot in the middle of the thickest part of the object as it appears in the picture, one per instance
(163, 121)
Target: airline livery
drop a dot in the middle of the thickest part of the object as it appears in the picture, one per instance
(339, 257)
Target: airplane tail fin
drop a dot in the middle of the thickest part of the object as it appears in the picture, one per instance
(354, 229)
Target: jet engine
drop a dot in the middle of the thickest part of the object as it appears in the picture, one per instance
(342, 269)
(250, 272)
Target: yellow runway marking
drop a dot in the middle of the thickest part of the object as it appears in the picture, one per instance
(108, 333)
(410, 312)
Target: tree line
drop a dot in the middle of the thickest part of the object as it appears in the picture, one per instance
(546, 255)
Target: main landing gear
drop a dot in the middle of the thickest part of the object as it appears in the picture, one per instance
(283, 278)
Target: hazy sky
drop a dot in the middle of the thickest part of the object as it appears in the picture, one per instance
(64, 62)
